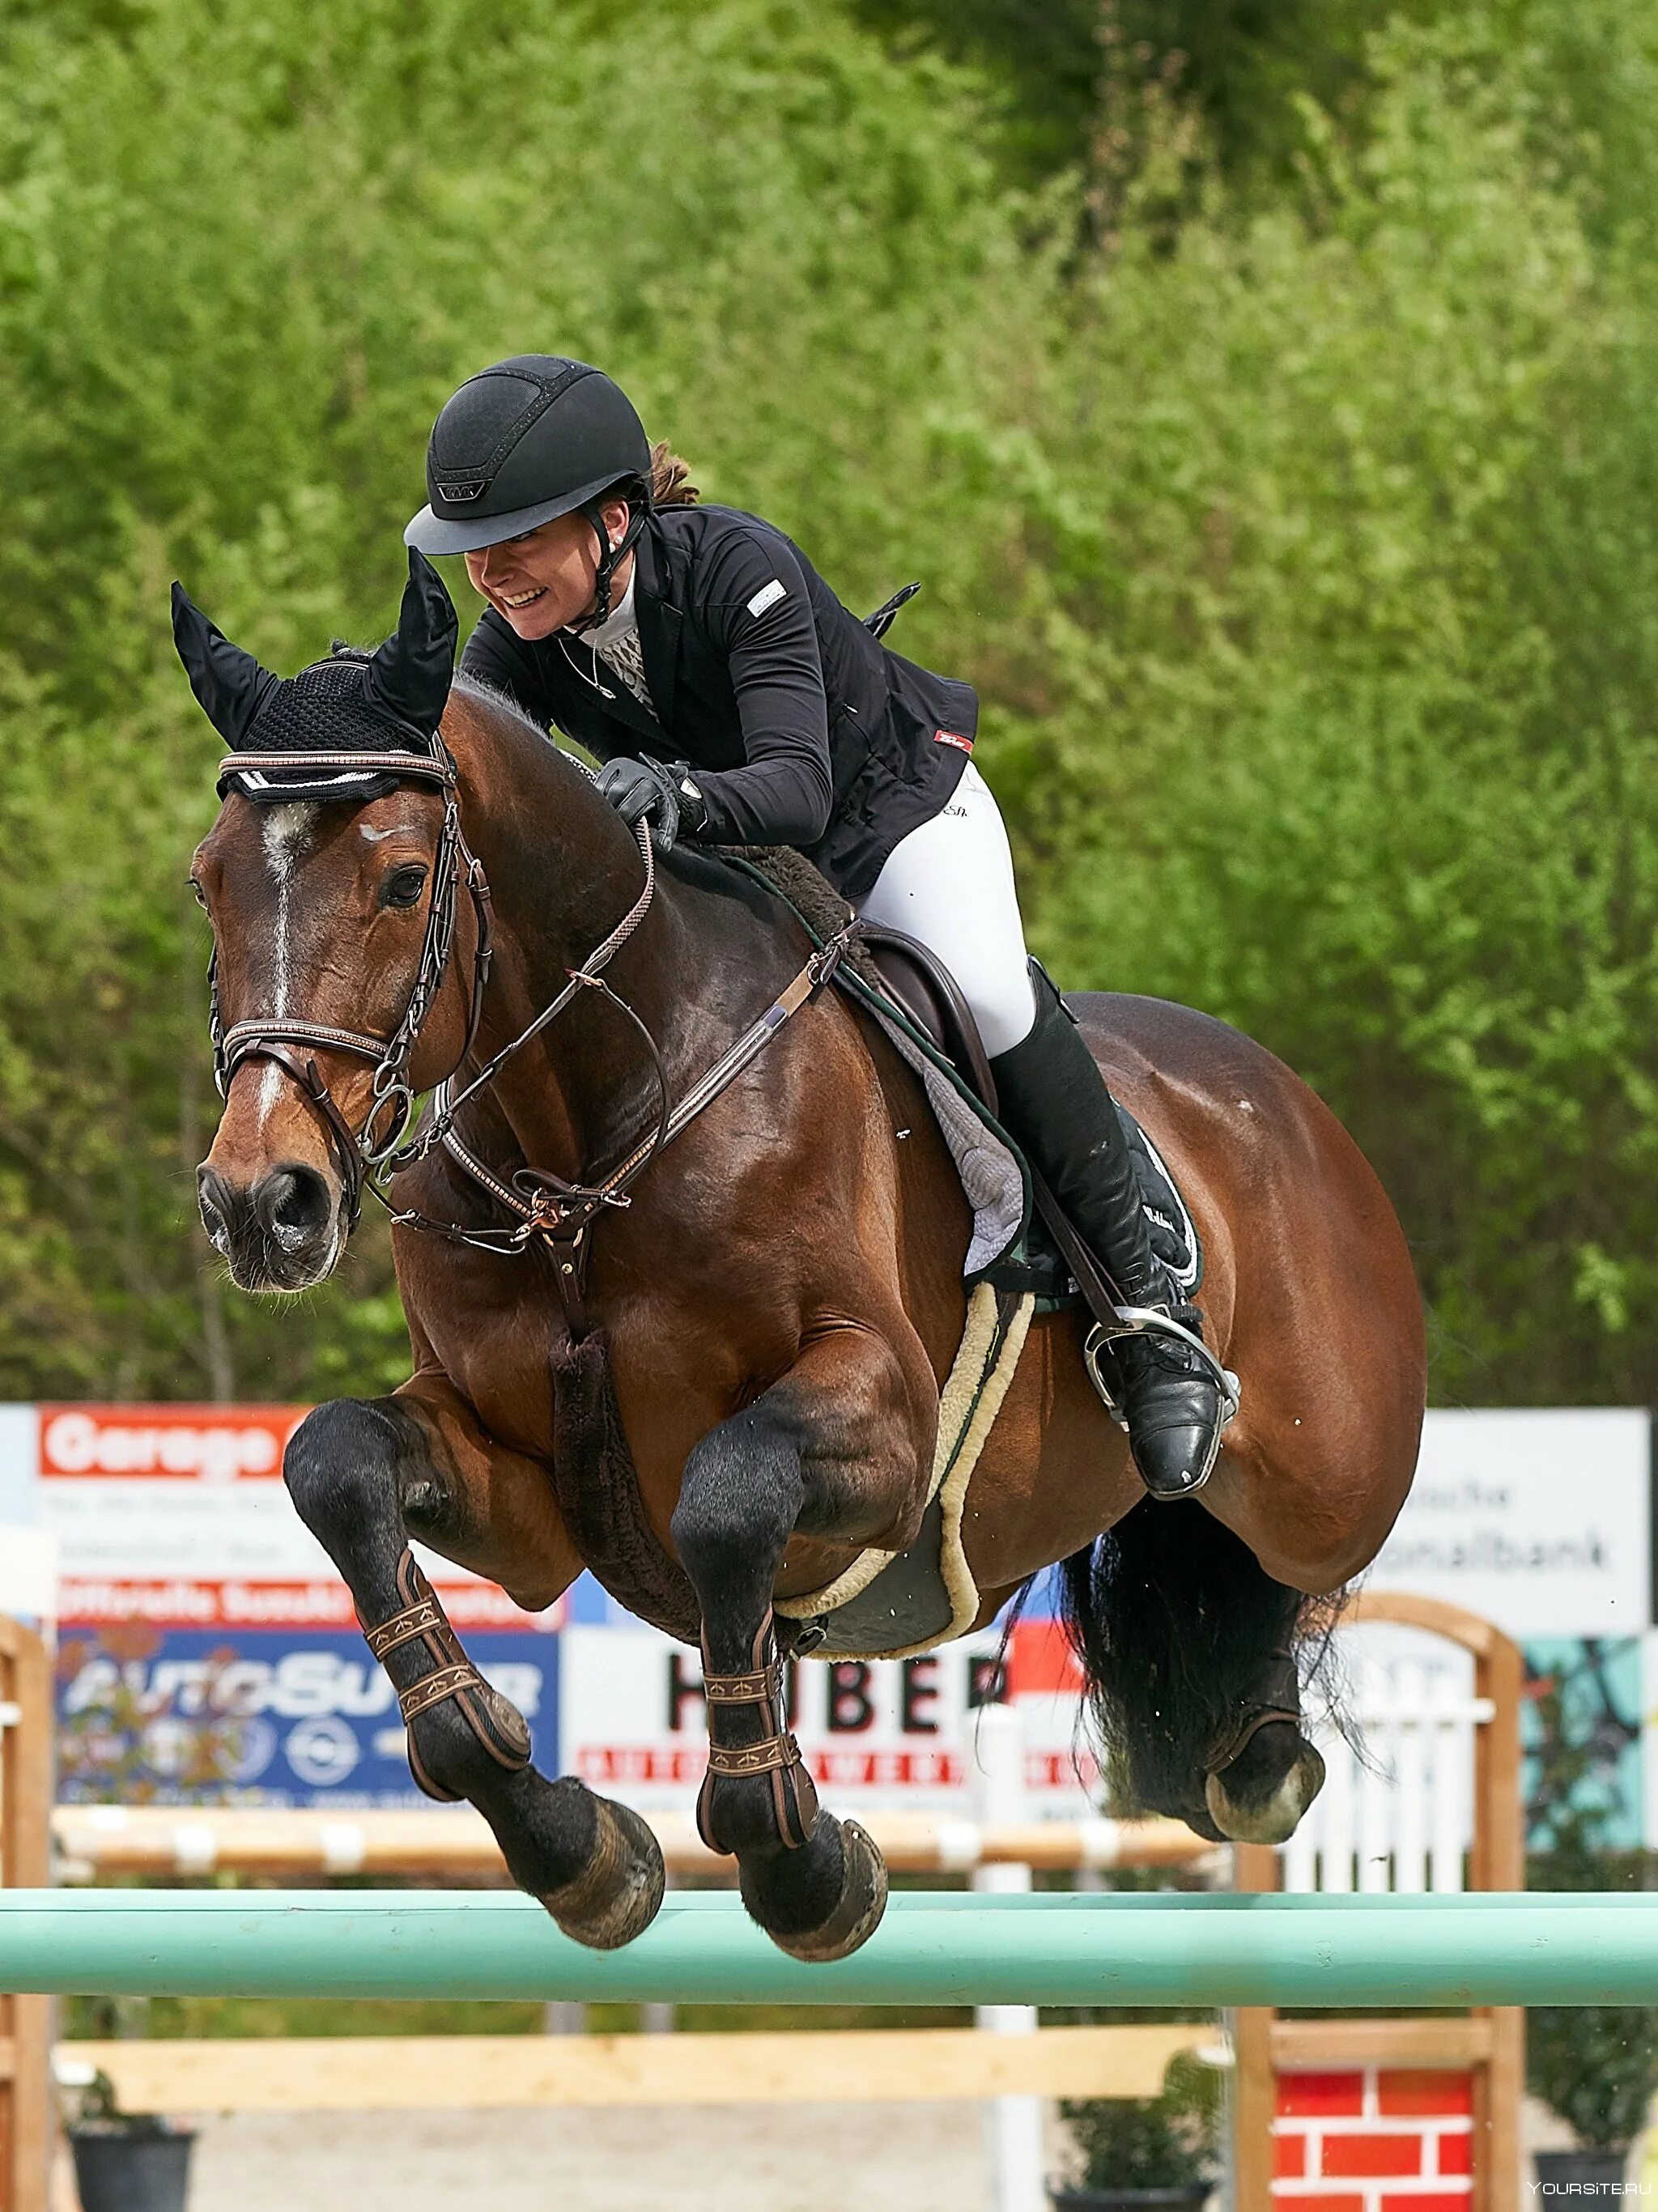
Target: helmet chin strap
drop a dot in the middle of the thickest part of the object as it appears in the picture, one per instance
(611, 557)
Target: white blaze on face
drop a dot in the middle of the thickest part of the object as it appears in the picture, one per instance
(285, 830)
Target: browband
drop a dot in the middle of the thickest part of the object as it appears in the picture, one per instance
(428, 768)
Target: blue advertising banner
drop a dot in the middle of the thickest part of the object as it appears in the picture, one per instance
(263, 1716)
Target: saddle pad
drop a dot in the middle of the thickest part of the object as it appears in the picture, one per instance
(992, 1176)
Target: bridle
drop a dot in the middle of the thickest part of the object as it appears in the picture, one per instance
(358, 1154)
(547, 1207)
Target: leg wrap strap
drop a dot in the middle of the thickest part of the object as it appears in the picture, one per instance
(422, 1619)
(432, 1689)
(494, 1720)
(794, 1796)
(758, 1689)
(777, 1751)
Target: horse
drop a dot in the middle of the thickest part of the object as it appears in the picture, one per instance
(714, 1376)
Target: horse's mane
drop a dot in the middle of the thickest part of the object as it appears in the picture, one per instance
(805, 888)
(487, 695)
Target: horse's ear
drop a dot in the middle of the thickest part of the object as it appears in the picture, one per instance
(410, 676)
(230, 684)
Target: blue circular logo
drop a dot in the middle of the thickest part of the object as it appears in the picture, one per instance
(322, 1750)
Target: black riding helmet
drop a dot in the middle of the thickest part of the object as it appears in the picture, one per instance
(527, 440)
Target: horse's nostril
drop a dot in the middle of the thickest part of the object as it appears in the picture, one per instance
(294, 1204)
(214, 1202)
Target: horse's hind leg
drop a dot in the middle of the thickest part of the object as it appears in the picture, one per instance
(1188, 1650)
(833, 1447)
(362, 1472)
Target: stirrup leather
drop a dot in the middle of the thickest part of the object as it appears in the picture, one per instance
(794, 1795)
(495, 1721)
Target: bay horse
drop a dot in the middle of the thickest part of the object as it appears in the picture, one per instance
(765, 1324)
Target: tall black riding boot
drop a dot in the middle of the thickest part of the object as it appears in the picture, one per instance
(1053, 1100)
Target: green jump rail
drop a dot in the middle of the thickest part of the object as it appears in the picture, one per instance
(934, 1948)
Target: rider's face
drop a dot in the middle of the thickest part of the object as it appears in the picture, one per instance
(544, 580)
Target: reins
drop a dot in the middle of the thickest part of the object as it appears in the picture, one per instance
(562, 1212)
(548, 1207)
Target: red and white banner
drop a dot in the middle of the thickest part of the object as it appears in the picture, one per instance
(178, 1517)
(889, 1736)
(213, 1444)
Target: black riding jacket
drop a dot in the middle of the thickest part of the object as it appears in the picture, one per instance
(803, 728)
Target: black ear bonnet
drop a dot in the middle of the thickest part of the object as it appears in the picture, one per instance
(389, 701)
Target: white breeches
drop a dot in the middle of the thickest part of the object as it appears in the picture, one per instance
(950, 884)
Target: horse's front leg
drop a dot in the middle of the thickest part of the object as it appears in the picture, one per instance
(364, 1472)
(836, 1450)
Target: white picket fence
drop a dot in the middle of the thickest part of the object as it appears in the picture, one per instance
(1396, 1812)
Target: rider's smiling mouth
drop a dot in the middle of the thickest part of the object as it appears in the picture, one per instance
(517, 599)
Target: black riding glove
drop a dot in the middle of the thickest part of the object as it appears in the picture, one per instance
(667, 797)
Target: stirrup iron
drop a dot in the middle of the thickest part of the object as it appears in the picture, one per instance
(1154, 1321)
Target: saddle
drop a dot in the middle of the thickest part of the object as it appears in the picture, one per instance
(1056, 1263)
(930, 996)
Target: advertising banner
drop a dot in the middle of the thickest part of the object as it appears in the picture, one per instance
(167, 1716)
(207, 1649)
(884, 1735)
(1539, 1520)
(178, 1515)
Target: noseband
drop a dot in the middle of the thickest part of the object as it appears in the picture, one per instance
(546, 1207)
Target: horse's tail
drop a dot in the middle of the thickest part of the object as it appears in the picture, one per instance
(1173, 1623)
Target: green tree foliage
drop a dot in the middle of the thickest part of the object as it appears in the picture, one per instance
(245, 254)
(1368, 594)
(1293, 515)
(1246, 64)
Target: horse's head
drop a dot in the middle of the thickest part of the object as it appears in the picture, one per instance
(330, 880)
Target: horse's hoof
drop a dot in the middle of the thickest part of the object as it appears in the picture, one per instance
(1274, 1818)
(618, 1893)
(856, 1915)
(1197, 1820)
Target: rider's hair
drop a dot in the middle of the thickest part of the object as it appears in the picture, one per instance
(671, 479)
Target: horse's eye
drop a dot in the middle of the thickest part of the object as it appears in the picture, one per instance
(404, 886)
(197, 892)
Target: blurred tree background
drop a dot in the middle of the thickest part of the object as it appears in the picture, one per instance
(1265, 393)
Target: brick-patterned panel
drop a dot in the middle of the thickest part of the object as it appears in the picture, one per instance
(1456, 2150)
(1289, 2157)
(1406, 2096)
(1372, 2157)
(1321, 2096)
(1400, 2140)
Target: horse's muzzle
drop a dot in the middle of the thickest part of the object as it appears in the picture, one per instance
(280, 1232)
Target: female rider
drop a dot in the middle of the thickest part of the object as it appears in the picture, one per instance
(733, 700)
